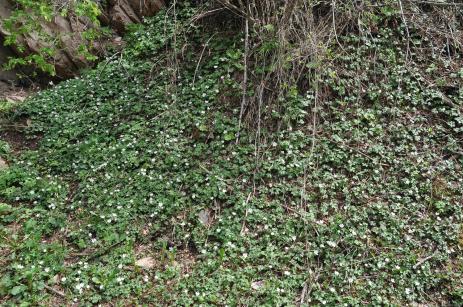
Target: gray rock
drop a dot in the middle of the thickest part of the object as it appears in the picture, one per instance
(146, 263)
(204, 217)
(3, 164)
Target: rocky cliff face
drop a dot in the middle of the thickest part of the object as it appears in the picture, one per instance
(119, 13)
(5, 52)
(68, 61)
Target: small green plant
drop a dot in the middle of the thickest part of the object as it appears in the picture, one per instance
(6, 106)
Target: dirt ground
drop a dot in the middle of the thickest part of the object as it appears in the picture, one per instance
(6, 89)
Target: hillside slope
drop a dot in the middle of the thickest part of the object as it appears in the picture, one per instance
(130, 185)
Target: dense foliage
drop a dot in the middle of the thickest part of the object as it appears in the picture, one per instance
(352, 200)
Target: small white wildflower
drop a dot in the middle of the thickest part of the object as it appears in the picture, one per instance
(331, 243)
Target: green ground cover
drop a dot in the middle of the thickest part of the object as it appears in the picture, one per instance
(354, 200)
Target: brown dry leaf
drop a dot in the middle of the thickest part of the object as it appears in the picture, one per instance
(146, 263)
(3, 164)
(204, 217)
(15, 98)
(256, 285)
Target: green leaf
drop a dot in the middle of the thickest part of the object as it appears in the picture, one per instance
(17, 290)
(202, 128)
(269, 28)
(229, 136)
(96, 280)
(5, 209)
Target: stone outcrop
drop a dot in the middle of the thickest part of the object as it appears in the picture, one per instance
(68, 60)
(123, 12)
(5, 53)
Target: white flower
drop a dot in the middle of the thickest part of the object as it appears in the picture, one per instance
(331, 243)
(79, 287)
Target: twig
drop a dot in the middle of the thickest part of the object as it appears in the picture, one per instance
(245, 78)
(438, 3)
(258, 132)
(304, 291)
(424, 260)
(59, 293)
(233, 8)
(333, 5)
(206, 14)
(406, 28)
(201, 58)
(107, 62)
(103, 251)
(176, 70)
(289, 8)
(243, 227)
